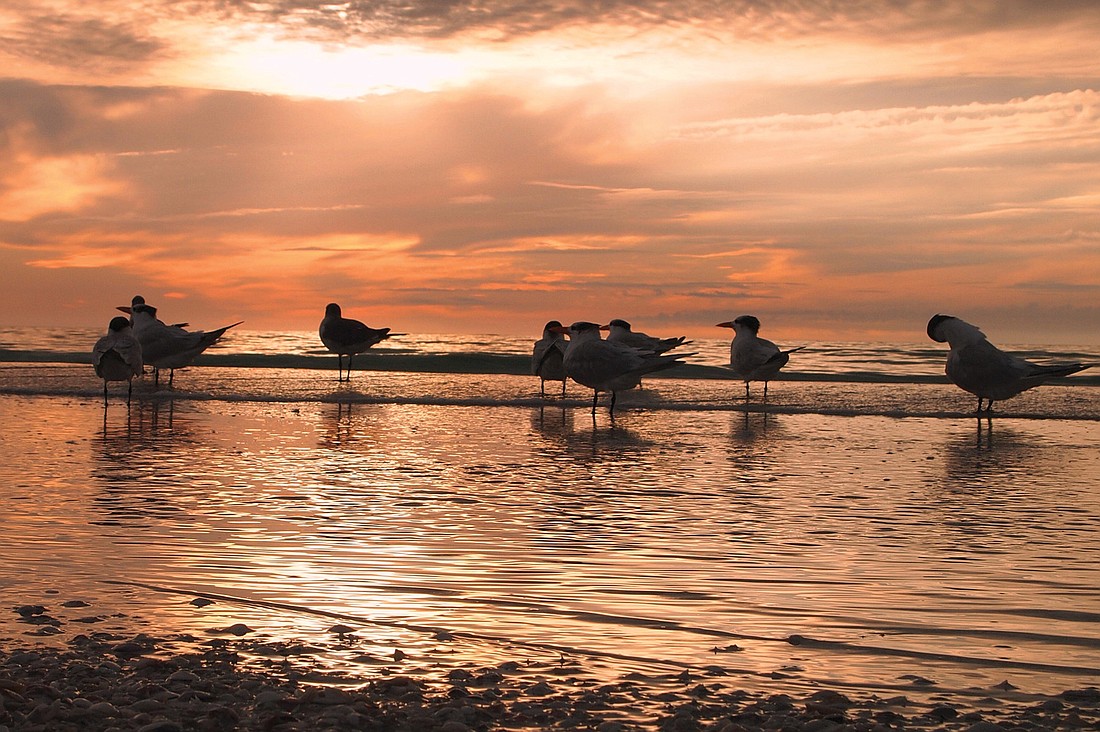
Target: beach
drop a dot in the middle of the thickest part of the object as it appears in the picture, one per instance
(92, 671)
(423, 550)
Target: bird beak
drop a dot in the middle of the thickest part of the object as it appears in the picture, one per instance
(560, 329)
(727, 324)
(605, 327)
(126, 309)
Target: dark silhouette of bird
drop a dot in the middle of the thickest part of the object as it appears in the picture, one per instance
(977, 366)
(753, 358)
(347, 337)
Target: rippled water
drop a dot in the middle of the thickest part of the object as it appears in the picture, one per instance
(876, 517)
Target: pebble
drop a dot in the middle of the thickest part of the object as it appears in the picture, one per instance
(219, 685)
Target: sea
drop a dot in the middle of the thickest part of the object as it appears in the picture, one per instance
(860, 528)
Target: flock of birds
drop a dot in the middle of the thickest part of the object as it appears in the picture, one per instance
(612, 364)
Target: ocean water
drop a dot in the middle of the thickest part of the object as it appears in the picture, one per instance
(862, 528)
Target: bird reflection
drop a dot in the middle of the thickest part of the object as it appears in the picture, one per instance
(566, 429)
(551, 421)
(143, 420)
(985, 435)
(351, 422)
(750, 425)
(976, 460)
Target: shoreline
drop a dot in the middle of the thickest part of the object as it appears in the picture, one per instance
(68, 675)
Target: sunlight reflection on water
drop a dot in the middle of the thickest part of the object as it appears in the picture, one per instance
(662, 536)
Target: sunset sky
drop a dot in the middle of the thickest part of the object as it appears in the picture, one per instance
(842, 169)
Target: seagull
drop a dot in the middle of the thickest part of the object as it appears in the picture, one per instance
(620, 332)
(753, 358)
(977, 366)
(169, 346)
(344, 336)
(547, 356)
(117, 356)
(605, 365)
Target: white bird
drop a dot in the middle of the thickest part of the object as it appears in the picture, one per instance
(548, 355)
(753, 358)
(347, 337)
(620, 332)
(117, 356)
(169, 346)
(977, 366)
(608, 366)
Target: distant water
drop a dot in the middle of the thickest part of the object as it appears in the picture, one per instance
(862, 528)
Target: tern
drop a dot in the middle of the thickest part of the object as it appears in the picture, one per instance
(117, 356)
(347, 337)
(977, 366)
(753, 358)
(620, 332)
(608, 366)
(169, 346)
(139, 300)
(547, 357)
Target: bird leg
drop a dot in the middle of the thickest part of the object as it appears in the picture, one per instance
(350, 357)
(595, 398)
(611, 410)
(104, 392)
(563, 388)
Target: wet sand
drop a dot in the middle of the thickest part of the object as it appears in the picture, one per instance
(71, 664)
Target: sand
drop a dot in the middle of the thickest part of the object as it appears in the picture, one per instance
(60, 674)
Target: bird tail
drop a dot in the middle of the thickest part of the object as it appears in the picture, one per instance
(1056, 370)
(660, 363)
(667, 344)
(211, 336)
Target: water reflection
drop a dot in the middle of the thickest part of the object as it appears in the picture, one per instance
(349, 422)
(768, 523)
(749, 426)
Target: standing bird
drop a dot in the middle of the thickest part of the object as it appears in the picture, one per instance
(605, 365)
(344, 336)
(547, 358)
(139, 300)
(753, 358)
(620, 332)
(977, 366)
(169, 346)
(117, 356)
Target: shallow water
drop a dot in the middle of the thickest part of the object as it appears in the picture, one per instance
(694, 530)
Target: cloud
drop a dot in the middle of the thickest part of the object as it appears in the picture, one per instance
(85, 38)
(507, 19)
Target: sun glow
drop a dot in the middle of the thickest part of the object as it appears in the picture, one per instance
(300, 68)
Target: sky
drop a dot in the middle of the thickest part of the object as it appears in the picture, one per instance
(842, 169)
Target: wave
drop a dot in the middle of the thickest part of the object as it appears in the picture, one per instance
(498, 363)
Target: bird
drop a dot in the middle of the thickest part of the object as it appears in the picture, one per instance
(977, 366)
(139, 300)
(347, 337)
(608, 366)
(117, 356)
(753, 358)
(548, 355)
(620, 332)
(169, 346)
